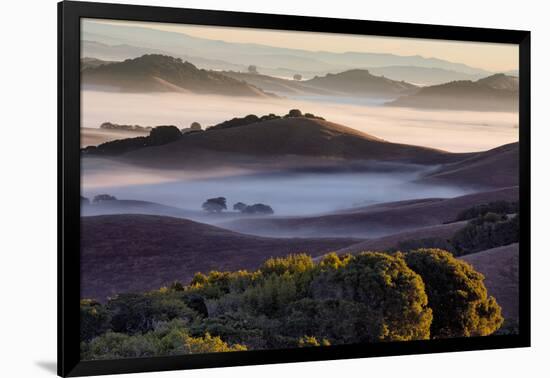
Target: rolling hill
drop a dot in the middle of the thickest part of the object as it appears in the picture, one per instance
(278, 85)
(498, 167)
(498, 92)
(162, 73)
(372, 221)
(280, 141)
(121, 206)
(361, 82)
(136, 253)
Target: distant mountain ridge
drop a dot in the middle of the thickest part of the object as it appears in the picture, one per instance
(497, 92)
(268, 57)
(423, 75)
(162, 73)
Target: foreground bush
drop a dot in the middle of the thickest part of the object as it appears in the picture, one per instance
(457, 295)
(297, 302)
(166, 339)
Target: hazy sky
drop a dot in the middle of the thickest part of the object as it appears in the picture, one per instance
(489, 56)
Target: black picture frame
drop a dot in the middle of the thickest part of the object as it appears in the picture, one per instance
(69, 15)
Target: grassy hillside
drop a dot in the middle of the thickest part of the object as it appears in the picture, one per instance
(373, 221)
(128, 253)
(498, 167)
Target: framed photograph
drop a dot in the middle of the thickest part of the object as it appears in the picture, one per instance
(240, 188)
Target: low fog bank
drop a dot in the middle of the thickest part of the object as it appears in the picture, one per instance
(455, 131)
(294, 193)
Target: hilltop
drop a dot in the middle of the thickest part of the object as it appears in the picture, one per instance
(162, 73)
(361, 82)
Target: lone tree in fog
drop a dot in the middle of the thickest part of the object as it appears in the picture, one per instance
(297, 77)
(239, 206)
(195, 126)
(104, 197)
(215, 205)
(252, 69)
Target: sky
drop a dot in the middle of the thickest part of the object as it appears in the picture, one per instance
(489, 56)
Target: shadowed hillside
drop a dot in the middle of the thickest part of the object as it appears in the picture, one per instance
(135, 253)
(280, 139)
(161, 73)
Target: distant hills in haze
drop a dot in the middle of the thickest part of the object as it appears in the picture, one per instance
(162, 73)
(112, 42)
(355, 82)
(498, 92)
(361, 82)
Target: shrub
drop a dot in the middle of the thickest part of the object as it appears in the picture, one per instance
(236, 122)
(163, 134)
(291, 264)
(94, 319)
(168, 338)
(138, 313)
(271, 296)
(390, 294)
(309, 341)
(293, 301)
(487, 231)
(104, 197)
(457, 295)
(294, 113)
(499, 207)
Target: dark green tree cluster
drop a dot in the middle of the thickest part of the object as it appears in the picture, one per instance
(297, 302)
(498, 207)
(490, 225)
(486, 231)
